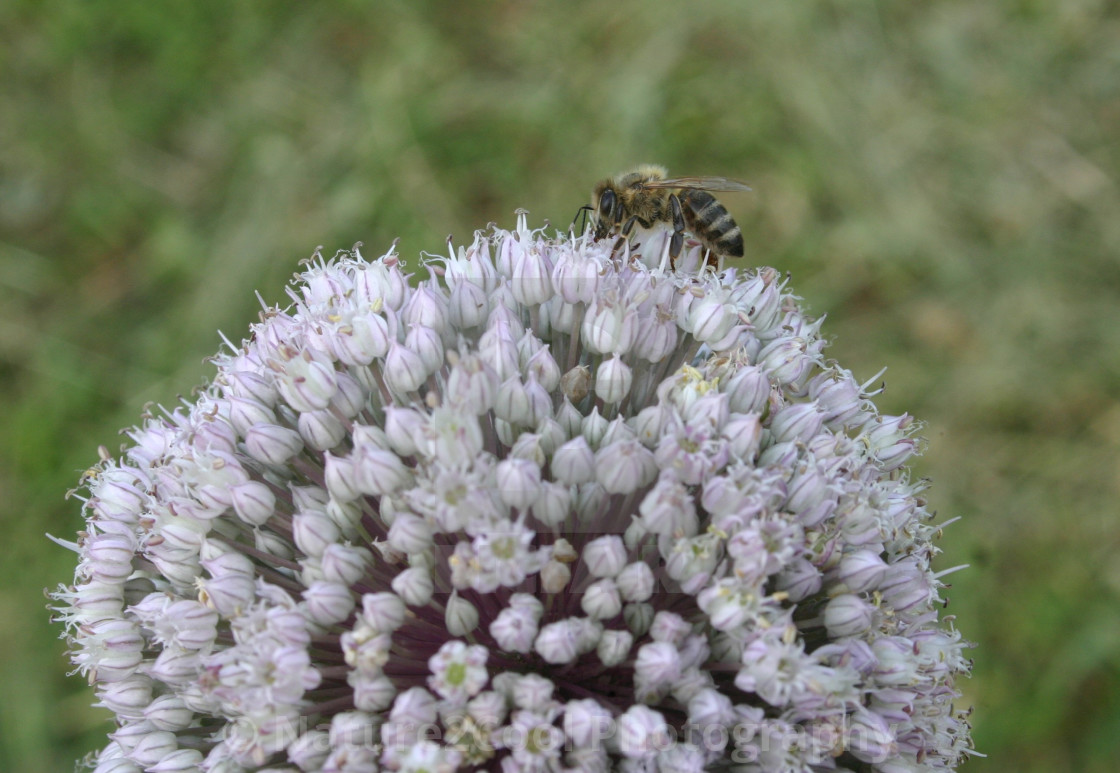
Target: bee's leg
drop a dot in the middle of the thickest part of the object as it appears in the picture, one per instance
(677, 240)
(629, 226)
(581, 216)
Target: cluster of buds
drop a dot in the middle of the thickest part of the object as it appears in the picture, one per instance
(551, 508)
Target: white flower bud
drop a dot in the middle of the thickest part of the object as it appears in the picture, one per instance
(313, 532)
(748, 389)
(642, 733)
(635, 582)
(410, 534)
(625, 467)
(553, 505)
(796, 423)
(414, 585)
(404, 370)
(384, 612)
(605, 556)
(518, 482)
(555, 576)
(613, 380)
(427, 344)
(460, 616)
(600, 601)
(184, 760)
(558, 642)
(587, 723)
(574, 462)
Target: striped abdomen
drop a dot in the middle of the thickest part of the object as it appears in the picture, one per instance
(710, 223)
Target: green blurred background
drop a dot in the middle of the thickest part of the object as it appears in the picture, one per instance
(940, 178)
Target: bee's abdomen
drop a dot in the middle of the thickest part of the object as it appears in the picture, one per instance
(710, 222)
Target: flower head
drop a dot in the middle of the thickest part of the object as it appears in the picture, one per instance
(552, 508)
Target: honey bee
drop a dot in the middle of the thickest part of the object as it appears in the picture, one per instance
(647, 197)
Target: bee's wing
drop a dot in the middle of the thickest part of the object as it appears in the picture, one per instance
(699, 183)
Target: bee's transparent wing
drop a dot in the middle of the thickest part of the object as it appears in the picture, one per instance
(699, 183)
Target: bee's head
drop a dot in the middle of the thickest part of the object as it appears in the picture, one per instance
(606, 208)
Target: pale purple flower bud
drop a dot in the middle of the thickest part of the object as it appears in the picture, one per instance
(636, 582)
(848, 615)
(518, 482)
(796, 423)
(511, 403)
(800, 579)
(669, 627)
(364, 340)
(306, 384)
(345, 564)
(426, 307)
(613, 380)
(515, 629)
(624, 467)
(405, 370)
(244, 412)
(531, 281)
(642, 733)
(532, 692)
(657, 338)
(427, 344)
(868, 736)
(668, 509)
(310, 750)
(371, 692)
(313, 532)
(379, 472)
(328, 602)
(711, 319)
(108, 557)
(605, 556)
(784, 359)
(321, 430)
(600, 600)
(253, 502)
(748, 390)
(153, 747)
(468, 306)
(861, 571)
(384, 612)
(402, 428)
(558, 642)
(744, 435)
(657, 663)
(460, 615)
(576, 278)
(587, 723)
(272, 444)
(542, 366)
(169, 712)
(128, 698)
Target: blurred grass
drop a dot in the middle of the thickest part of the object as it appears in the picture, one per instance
(941, 179)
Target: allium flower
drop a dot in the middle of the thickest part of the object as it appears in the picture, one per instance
(552, 508)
